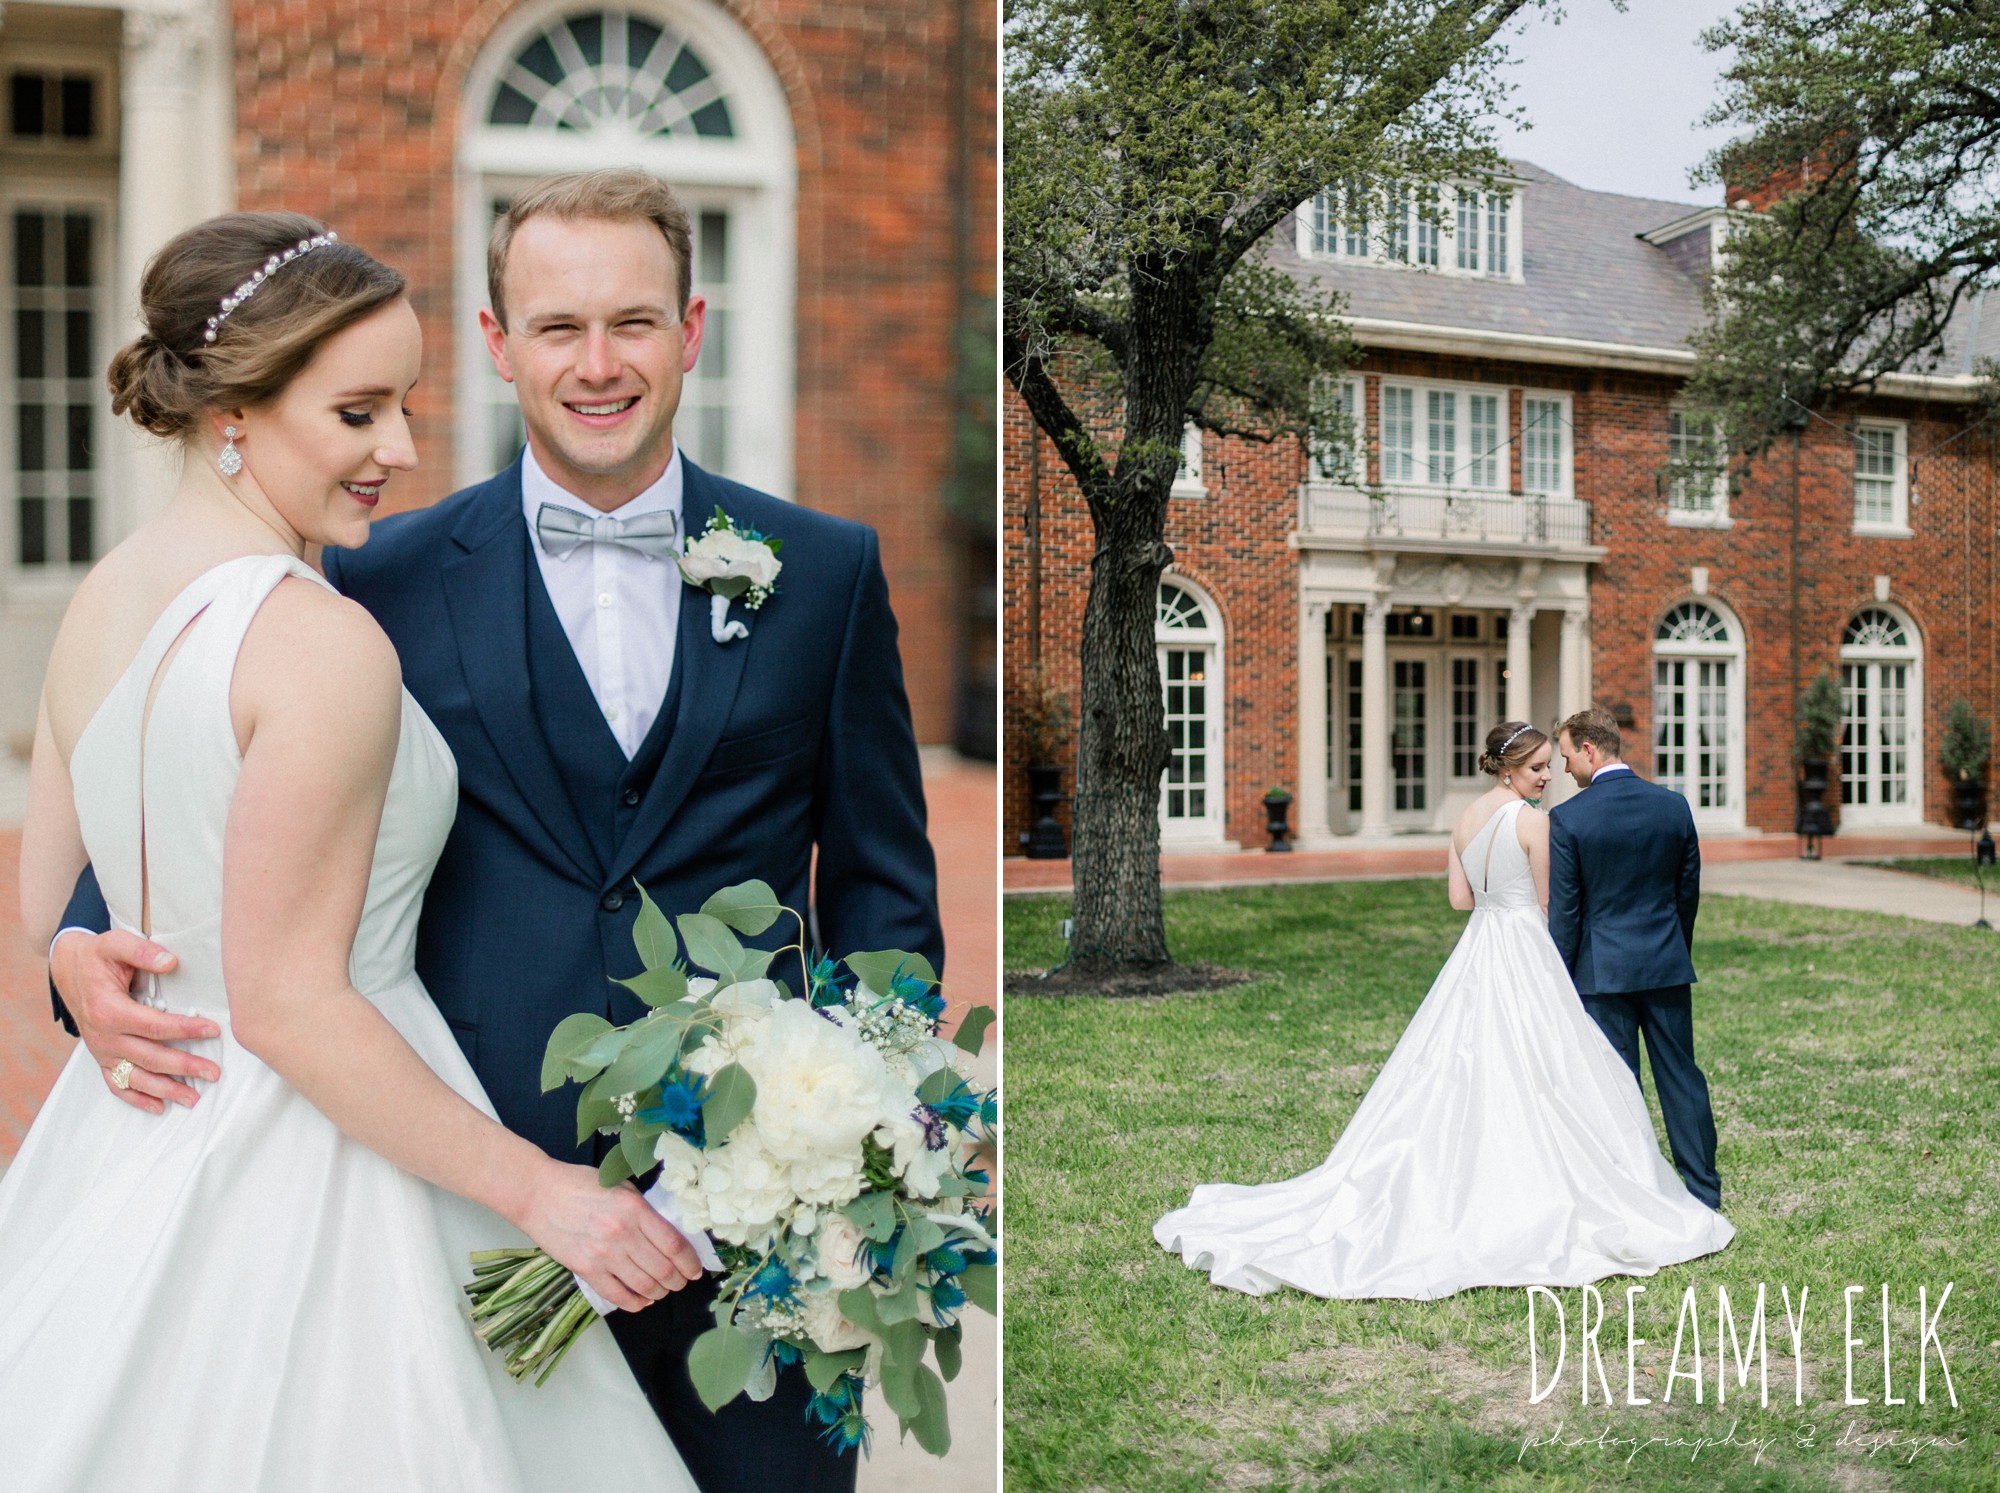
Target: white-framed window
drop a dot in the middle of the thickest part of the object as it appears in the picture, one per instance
(1881, 479)
(679, 89)
(1187, 630)
(1444, 435)
(1545, 444)
(1188, 482)
(1881, 719)
(1698, 703)
(1697, 471)
(1455, 230)
(1336, 461)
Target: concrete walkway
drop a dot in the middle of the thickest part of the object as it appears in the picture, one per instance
(1853, 888)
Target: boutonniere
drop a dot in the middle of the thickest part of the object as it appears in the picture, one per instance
(731, 563)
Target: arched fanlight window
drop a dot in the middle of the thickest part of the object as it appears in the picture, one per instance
(1698, 707)
(595, 66)
(1875, 628)
(1692, 622)
(1178, 609)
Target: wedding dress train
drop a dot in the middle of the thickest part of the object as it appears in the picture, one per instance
(237, 1296)
(1504, 1142)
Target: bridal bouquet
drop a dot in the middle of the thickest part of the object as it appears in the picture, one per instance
(824, 1141)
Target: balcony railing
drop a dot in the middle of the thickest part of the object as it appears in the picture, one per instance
(1532, 520)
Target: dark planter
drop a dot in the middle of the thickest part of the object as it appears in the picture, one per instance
(1814, 821)
(1968, 803)
(1045, 839)
(1277, 809)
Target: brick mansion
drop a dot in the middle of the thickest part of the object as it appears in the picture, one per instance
(1522, 527)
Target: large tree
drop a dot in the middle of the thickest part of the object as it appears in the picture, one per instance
(1872, 136)
(1151, 145)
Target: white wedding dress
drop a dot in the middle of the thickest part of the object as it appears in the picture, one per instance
(238, 1297)
(1504, 1142)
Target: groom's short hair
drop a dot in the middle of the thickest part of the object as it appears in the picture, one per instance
(612, 196)
(1594, 727)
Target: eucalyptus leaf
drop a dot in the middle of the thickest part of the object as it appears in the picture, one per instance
(720, 1364)
(858, 1306)
(822, 1369)
(950, 1353)
(571, 1036)
(750, 964)
(655, 1043)
(658, 987)
(652, 934)
(899, 1387)
(981, 1284)
(616, 1167)
(925, 1234)
(731, 586)
(931, 1425)
(749, 908)
(971, 1033)
(731, 1094)
(636, 1141)
(710, 943)
(595, 1108)
(600, 1052)
(878, 970)
(940, 1086)
(874, 1213)
(898, 1307)
(903, 1264)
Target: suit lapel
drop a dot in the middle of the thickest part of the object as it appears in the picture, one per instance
(710, 673)
(486, 592)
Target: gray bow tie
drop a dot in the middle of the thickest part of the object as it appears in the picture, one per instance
(560, 530)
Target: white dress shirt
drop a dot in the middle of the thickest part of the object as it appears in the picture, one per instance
(620, 609)
(1606, 768)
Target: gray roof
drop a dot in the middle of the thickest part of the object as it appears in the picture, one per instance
(1586, 274)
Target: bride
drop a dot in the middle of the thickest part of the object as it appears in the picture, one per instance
(1504, 1143)
(256, 1285)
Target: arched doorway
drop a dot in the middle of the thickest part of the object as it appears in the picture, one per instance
(1698, 710)
(1187, 629)
(1881, 719)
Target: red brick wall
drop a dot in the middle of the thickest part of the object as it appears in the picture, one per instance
(1945, 577)
(349, 110)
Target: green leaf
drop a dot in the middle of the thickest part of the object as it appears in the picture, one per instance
(749, 908)
(858, 1306)
(709, 942)
(720, 1364)
(951, 1185)
(926, 1234)
(950, 1352)
(600, 1052)
(731, 586)
(731, 1095)
(823, 1368)
(616, 1167)
(658, 987)
(938, 1087)
(652, 933)
(571, 1036)
(655, 1043)
(931, 1425)
(903, 1264)
(899, 1387)
(971, 1031)
(981, 1284)
(878, 970)
(899, 1307)
(595, 1109)
(636, 1141)
(874, 1213)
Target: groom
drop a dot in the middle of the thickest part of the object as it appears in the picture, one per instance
(1624, 885)
(609, 730)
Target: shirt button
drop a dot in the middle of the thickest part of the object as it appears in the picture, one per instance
(611, 712)
(612, 900)
(631, 798)
(604, 598)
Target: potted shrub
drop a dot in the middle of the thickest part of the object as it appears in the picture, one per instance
(1965, 750)
(1813, 746)
(1043, 723)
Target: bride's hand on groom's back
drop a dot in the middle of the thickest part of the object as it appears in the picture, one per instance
(610, 1236)
(93, 973)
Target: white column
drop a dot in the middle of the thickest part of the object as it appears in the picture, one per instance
(1520, 630)
(1572, 683)
(1375, 718)
(1310, 728)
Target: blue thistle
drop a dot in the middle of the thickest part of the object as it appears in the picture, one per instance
(679, 1108)
(945, 1260)
(838, 1409)
(959, 1106)
(825, 985)
(947, 1296)
(772, 1281)
(784, 1354)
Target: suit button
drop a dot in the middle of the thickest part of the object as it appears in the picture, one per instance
(612, 900)
(631, 798)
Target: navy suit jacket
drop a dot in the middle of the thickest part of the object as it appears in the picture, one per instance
(1624, 885)
(794, 739)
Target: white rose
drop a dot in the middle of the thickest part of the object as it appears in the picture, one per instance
(828, 1329)
(746, 997)
(843, 1253)
(714, 556)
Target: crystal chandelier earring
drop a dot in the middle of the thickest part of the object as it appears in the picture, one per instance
(231, 460)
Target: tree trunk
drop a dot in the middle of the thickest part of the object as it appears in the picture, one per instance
(1116, 817)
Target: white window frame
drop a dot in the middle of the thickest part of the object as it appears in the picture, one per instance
(1395, 236)
(1566, 429)
(752, 176)
(1735, 653)
(1898, 524)
(1680, 513)
(1208, 831)
(1354, 458)
(1458, 465)
(1188, 480)
(1909, 655)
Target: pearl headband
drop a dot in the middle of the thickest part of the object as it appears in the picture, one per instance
(272, 265)
(1512, 739)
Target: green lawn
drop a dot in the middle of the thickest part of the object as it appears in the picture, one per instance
(1855, 1064)
(1958, 868)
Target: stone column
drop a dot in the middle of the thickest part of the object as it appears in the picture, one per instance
(1310, 727)
(1520, 634)
(1375, 718)
(1572, 682)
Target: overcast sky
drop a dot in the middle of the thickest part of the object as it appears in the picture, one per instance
(1613, 100)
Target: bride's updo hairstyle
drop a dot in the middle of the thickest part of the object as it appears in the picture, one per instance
(167, 378)
(1509, 745)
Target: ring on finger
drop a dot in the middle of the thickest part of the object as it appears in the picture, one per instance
(121, 1073)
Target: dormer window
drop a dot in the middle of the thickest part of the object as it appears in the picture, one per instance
(1455, 231)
